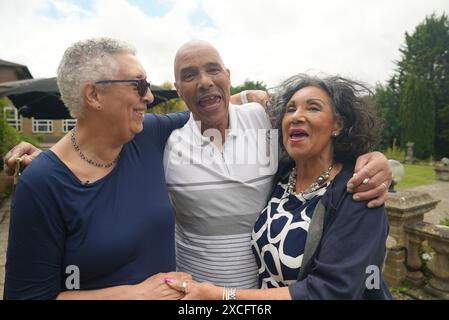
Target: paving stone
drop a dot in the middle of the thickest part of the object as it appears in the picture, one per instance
(3, 255)
(4, 209)
(2, 276)
(2, 280)
(4, 230)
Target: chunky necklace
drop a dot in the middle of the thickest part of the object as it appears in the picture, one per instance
(322, 178)
(82, 156)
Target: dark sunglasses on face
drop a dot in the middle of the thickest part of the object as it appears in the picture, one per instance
(142, 85)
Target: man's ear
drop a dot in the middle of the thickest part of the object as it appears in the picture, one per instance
(229, 73)
(177, 90)
(90, 95)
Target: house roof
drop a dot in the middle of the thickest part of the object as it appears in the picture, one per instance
(21, 70)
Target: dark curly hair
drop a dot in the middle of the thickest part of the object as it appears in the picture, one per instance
(361, 126)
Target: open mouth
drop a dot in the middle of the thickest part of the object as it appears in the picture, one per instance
(297, 135)
(209, 102)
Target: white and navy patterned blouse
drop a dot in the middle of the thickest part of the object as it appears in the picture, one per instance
(280, 233)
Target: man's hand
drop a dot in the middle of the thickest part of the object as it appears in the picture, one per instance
(258, 96)
(371, 179)
(25, 149)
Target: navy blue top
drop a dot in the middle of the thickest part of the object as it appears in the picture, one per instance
(117, 230)
(353, 244)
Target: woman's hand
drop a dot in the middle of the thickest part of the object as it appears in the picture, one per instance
(156, 288)
(196, 290)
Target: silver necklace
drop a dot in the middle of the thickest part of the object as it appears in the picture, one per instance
(82, 156)
(322, 178)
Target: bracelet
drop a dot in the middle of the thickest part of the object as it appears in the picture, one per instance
(229, 294)
(243, 97)
(232, 293)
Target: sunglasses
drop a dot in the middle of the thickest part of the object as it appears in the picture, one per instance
(142, 85)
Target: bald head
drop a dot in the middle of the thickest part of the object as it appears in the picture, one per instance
(194, 48)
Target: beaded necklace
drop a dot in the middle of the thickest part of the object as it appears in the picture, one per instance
(90, 161)
(322, 178)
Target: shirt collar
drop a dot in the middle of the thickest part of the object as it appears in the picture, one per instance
(232, 131)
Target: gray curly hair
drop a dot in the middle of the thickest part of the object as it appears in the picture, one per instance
(88, 60)
(361, 125)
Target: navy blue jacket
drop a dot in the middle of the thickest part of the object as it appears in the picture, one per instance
(352, 245)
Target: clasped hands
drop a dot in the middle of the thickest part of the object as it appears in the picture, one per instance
(193, 290)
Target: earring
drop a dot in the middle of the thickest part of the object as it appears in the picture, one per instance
(334, 134)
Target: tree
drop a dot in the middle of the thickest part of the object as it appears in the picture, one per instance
(425, 55)
(386, 101)
(418, 115)
(249, 85)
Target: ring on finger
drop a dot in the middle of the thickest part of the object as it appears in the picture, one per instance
(385, 185)
(184, 286)
(365, 181)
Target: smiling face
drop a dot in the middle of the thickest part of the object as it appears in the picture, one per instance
(203, 82)
(124, 107)
(308, 124)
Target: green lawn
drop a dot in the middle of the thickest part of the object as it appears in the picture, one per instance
(416, 175)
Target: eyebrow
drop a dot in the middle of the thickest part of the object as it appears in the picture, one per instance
(213, 64)
(137, 76)
(314, 100)
(187, 69)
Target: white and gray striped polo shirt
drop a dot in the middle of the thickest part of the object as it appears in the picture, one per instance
(218, 194)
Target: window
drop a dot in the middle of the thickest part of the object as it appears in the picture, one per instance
(68, 124)
(42, 126)
(12, 118)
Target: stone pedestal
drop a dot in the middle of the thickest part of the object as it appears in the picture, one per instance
(414, 264)
(394, 270)
(403, 208)
(438, 239)
(409, 155)
(442, 172)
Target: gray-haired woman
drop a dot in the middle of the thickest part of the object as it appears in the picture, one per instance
(92, 213)
(325, 124)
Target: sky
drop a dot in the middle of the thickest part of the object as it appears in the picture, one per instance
(259, 40)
